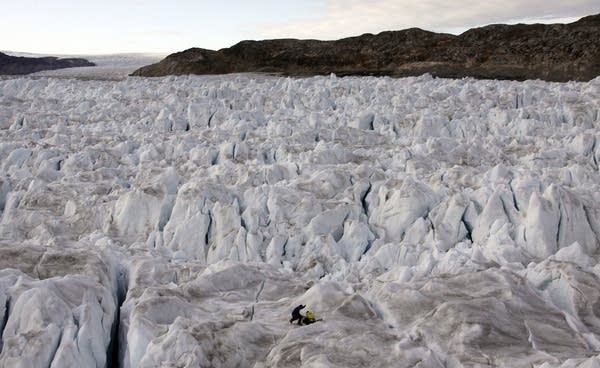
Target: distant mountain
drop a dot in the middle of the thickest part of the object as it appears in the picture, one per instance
(553, 52)
(13, 65)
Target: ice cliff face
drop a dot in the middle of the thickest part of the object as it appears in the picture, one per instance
(177, 221)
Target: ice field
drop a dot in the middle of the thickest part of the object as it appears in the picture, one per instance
(176, 222)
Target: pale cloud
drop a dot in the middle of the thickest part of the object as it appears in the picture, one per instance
(340, 18)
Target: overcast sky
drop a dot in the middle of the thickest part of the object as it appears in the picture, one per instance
(165, 26)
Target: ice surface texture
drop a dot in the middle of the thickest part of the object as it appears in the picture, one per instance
(177, 221)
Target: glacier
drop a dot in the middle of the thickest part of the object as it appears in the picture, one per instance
(176, 222)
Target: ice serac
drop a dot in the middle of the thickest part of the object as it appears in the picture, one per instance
(398, 207)
(60, 310)
(177, 221)
(449, 222)
(542, 226)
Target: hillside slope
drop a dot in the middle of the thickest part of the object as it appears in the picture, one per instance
(554, 52)
(16, 65)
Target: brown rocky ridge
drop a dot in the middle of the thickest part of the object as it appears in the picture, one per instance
(16, 65)
(553, 52)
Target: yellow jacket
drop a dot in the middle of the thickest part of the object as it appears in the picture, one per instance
(310, 316)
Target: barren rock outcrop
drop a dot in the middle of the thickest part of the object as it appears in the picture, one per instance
(553, 52)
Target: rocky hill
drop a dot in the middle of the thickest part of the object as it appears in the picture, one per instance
(12, 65)
(554, 52)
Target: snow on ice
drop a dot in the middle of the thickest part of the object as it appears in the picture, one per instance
(177, 221)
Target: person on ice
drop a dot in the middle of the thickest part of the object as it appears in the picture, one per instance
(296, 314)
(309, 318)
